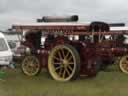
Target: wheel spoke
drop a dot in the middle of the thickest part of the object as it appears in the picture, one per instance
(58, 68)
(60, 56)
(56, 58)
(66, 69)
(36, 65)
(25, 63)
(124, 62)
(63, 55)
(125, 65)
(69, 59)
(29, 59)
(60, 72)
(66, 56)
(30, 70)
(64, 73)
(57, 63)
(34, 61)
(127, 68)
(70, 67)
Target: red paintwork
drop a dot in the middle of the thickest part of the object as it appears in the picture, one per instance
(88, 51)
(53, 27)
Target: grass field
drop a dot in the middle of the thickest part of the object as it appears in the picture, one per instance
(112, 83)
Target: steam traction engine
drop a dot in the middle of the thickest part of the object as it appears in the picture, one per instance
(69, 49)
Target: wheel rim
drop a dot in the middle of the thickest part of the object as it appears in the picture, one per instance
(124, 64)
(62, 63)
(30, 65)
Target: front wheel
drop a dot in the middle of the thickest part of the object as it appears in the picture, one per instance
(123, 64)
(64, 63)
(30, 65)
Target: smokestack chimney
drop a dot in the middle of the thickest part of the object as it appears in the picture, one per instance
(73, 18)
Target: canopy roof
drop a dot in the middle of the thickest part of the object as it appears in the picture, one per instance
(52, 26)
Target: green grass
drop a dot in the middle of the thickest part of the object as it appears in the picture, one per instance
(112, 83)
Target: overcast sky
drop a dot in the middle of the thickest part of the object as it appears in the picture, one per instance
(22, 11)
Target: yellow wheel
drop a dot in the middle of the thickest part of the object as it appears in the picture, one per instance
(64, 63)
(31, 66)
(124, 64)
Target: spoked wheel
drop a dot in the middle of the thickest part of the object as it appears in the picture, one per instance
(64, 63)
(124, 64)
(31, 66)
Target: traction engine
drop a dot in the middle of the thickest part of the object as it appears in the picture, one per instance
(67, 48)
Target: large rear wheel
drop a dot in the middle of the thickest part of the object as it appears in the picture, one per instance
(64, 63)
(31, 65)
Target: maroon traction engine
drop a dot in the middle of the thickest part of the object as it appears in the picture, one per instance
(70, 49)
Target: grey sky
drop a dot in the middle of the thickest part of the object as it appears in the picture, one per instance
(14, 11)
